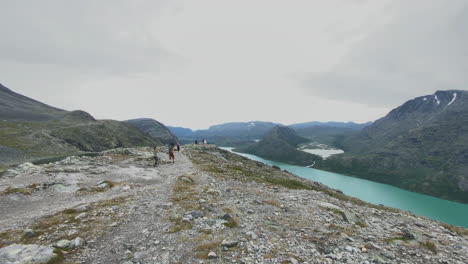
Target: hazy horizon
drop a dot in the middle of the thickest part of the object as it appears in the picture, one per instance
(199, 63)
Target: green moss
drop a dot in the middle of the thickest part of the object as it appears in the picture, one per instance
(23, 191)
(179, 225)
(361, 224)
(58, 259)
(232, 222)
(70, 211)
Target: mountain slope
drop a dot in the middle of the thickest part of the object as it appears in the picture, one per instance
(31, 130)
(181, 132)
(421, 146)
(280, 144)
(153, 129)
(14, 106)
(350, 125)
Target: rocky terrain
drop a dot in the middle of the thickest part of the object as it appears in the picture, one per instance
(210, 206)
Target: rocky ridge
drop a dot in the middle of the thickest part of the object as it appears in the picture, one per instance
(211, 206)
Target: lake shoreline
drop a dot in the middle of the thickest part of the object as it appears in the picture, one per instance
(379, 193)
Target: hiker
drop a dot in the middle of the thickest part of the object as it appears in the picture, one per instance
(155, 156)
(171, 153)
(178, 146)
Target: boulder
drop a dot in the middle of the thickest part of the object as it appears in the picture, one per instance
(64, 243)
(77, 242)
(229, 243)
(31, 254)
(212, 255)
(29, 233)
(349, 217)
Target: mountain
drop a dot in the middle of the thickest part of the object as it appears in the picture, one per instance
(280, 144)
(236, 134)
(227, 134)
(154, 129)
(328, 135)
(253, 129)
(14, 106)
(31, 130)
(421, 146)
(350, 125)
(181, 132)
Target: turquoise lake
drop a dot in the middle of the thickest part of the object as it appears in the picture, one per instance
(377, 193)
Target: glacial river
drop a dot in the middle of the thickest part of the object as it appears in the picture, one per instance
(377, 193)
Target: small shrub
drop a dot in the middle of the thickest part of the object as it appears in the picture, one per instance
(430, 245)
(22, 191)
(202, 250)
(232, 222)
(361, 224)
(59, 258)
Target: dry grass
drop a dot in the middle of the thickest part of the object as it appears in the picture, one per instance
(361, 224)
(232, 222)
(430, 245)
(185, 194)
(455, 229)
(95, 189)
(22, 191)
(179, 225)
(272, 203)
(201, 251)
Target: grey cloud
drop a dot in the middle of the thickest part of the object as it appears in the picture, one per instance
(105, 35)
(424, 48)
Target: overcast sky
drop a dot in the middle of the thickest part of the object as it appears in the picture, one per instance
(198, 63)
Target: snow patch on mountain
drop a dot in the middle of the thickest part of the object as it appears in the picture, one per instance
(437, 99)
(453, 99)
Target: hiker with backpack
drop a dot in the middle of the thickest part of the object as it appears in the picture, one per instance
(171, 153)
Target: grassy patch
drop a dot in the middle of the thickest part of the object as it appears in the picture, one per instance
(272, 203)
(179, 225)
(70, 211)
(22, 191)
(455, 229)
(185, 194)
(430, 245)
(228, 210)
(232, 222)
(361, 224)
(288, 183)
(391, 239)
(58, 259)
(95, 189)
(202, 250)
